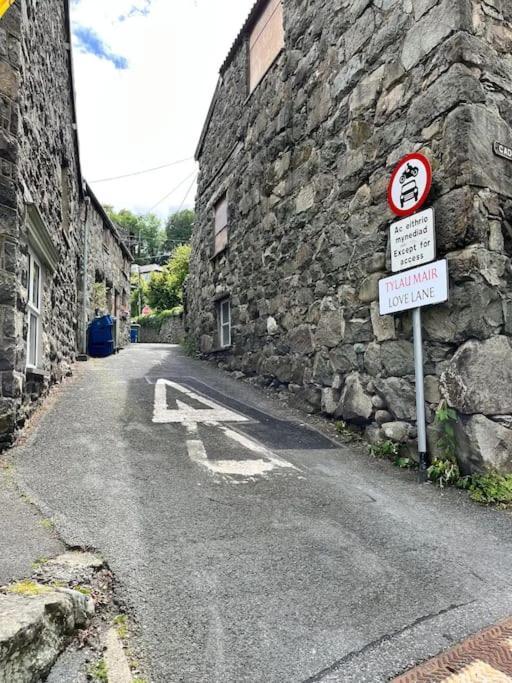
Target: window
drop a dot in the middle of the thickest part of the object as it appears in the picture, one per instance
(265, 41)
(34, 311)
(224, 320)
(221, 225)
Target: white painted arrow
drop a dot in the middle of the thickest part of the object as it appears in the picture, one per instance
(213, 416)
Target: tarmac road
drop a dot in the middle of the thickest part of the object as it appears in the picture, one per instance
(249, 546)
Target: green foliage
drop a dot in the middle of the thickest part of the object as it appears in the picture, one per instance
(490, 489)
(390, 450)
(178, 229)
(139, 295)
(27, 587)
(385, 449)
(155, 320)
(444, 473)
(99, 296)
(98, 671)
(405, 463)
(165, 290)
(346, 431)
(189, 345)
(121, 624)
(146, 235)
(446, 418)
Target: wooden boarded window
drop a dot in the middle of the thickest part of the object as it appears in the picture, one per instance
(265, 42)
(221, 225)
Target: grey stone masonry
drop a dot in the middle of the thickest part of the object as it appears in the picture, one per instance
(108, 263)
(305, 160)
(42, 211)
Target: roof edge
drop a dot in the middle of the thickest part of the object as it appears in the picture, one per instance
(99, 208)
(242, 34)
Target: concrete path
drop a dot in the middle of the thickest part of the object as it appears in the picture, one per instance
(248, 545)
(25, 537)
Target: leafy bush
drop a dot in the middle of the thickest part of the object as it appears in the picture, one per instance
(189, 345)
(347, 432)
(444, 473)
(165, 289)
(156, 320)
(446, 418)
(99, 296)
(489, 489)
(139, 295)
(385, 449)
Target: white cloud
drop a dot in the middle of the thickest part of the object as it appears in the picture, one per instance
(152, 112)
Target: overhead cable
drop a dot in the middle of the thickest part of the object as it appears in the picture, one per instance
(148, 170)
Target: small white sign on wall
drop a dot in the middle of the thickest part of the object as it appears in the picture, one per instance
(413, 241)
(415, 288)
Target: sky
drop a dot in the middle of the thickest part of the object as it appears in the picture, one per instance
(145, 73)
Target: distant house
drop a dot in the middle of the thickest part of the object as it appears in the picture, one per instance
(315, 104)
(146, 271)
(54, 237)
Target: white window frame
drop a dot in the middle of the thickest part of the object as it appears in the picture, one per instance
(34, 309)
(224, 322)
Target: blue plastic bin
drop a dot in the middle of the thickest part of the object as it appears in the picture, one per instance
(134, 333)
(101, 337)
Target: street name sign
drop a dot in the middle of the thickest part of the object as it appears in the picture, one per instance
(415, 288)
(413, 241)
(410, 185)
(502, 150)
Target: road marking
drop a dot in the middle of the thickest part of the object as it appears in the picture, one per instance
(185, 414)
(213, 416)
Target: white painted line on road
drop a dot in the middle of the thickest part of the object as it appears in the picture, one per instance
(185, 413)
(190, 418)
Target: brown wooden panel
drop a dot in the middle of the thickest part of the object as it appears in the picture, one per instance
(266, 41)
(221, 215)
(221, 241)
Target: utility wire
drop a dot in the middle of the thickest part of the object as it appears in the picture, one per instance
(136, 173)
(176, 188)
(187, 193)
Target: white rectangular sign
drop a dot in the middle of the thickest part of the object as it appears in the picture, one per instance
(418, 287)
(413, 241)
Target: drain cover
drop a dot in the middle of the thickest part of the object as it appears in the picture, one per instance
(484, 658)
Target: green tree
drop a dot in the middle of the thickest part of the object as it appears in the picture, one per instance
(139, 295)
(178, 229)
(144, 232)
(165, 290)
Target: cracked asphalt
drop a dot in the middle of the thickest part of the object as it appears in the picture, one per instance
(260, 550)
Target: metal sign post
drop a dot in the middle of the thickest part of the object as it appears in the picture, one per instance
(410, 290)
(413, 243)
(420, 393)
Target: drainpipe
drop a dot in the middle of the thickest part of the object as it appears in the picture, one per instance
(85, 280)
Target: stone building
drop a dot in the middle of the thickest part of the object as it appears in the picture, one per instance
(42, 209)
(316, 102)
(108, 268)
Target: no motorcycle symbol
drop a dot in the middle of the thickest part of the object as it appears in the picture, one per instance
(410, 184)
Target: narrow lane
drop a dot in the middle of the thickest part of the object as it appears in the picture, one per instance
(247, 544)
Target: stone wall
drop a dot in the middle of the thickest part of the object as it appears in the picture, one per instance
(305, 161)
(171, 331)
(109, 263)
(38, 155)
(42, 208)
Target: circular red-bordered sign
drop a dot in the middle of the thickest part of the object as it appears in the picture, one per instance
(410, 184)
